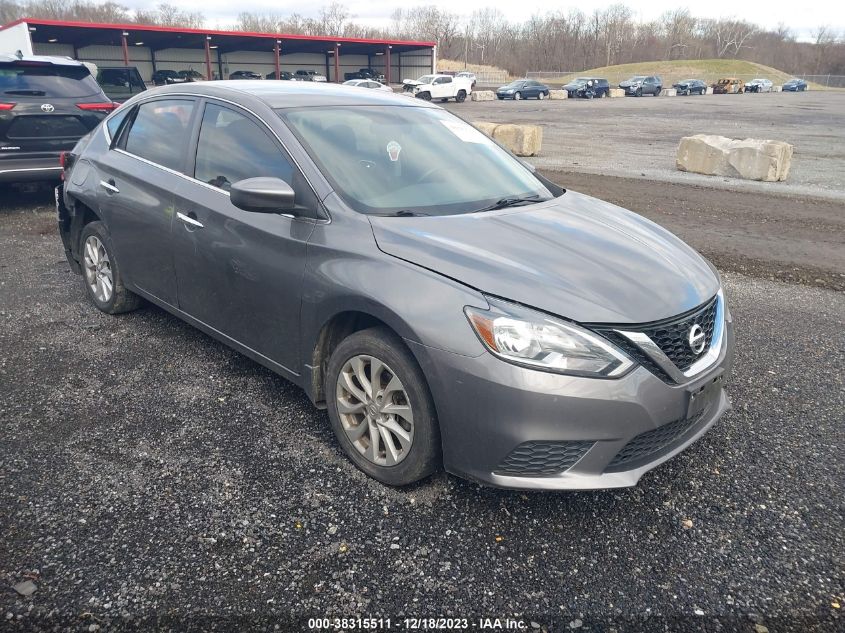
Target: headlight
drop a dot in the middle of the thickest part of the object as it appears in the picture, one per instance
(527, 337)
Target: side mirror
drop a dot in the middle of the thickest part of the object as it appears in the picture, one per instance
(263, 195)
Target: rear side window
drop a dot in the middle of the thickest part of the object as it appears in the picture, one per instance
(232, 147)
(113, 124)
(38, 79)
(160, 131)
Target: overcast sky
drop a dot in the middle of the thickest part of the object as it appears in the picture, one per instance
(801, 17)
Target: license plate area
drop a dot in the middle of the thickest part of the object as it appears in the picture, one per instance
(704, 396)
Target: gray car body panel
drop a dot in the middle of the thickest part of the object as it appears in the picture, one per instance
(267, 285)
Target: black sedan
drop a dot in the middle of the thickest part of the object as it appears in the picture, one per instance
(245, 74)
(795, 85)
(284, 75)
(523, 89)
(691, 87)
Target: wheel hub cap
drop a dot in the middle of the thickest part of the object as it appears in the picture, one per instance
(98, 271)
(374, 410)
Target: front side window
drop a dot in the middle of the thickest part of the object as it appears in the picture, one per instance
(232, 147)
(388, 159)
(160, 131)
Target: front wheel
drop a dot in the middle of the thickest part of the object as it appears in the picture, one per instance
(425, 96)
(380, 408)
(101, 273)
(639, 92)
(517, 96)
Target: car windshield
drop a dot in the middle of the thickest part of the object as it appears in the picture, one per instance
(46, 80)
(637, 78)
(426, 79)
(388, 160)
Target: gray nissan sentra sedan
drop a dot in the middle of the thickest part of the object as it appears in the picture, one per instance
(447, 304)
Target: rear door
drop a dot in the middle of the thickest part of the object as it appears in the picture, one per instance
(138, 179)
(240, 272)
(45, 108)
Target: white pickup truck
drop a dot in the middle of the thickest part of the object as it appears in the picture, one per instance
(443, 87)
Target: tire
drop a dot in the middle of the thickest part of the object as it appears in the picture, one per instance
(461, 96)
(541, 96)
(517, 96)
(422, 455)
(639, 92)
(95, 238)
(425, 96)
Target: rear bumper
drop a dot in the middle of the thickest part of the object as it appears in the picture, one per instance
(27, 169)
(500, 423)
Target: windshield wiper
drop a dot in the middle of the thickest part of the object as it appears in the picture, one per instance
(28, 93)
(513, 201)
(404, 213)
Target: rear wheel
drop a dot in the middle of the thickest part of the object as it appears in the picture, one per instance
(541, 96)
(380, 408)
(101, 273)
(461, 96)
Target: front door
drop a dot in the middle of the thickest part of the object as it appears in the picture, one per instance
(240, 272)
(136, 184)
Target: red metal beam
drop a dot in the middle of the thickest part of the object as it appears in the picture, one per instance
(125, 47)
(208, 59)
(337, 62)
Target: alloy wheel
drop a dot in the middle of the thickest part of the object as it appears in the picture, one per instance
(98, 271)
(374, 410)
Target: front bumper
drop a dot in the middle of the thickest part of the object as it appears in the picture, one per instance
(490, 410)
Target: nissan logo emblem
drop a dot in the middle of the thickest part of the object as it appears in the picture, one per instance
(697, 339)
(47, 107)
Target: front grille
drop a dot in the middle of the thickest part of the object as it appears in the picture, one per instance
(650, 443)
(673, 337)
(543, 458)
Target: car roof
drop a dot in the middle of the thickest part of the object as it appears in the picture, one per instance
(292, 94)
(43, 59)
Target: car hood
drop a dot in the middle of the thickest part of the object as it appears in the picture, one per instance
(574, 256)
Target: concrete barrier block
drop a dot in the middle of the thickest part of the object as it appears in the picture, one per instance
(615, 92)
(482, 95)
(751, 159)
(522, 140)
(558, 94)
(710, 90)
(669, 92)
(777, 88)
(487, 127)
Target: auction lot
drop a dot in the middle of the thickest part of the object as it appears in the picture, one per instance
(150, 476)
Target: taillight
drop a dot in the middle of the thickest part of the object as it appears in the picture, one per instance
(7, 106)
(98, 107)
(63, 159)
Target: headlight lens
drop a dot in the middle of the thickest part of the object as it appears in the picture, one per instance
(527, 337)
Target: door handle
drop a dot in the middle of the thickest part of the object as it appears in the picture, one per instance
(190, 219)
(109, 186)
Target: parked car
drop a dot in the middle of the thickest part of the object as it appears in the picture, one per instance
(368, 83)
(165, 77)
(246, 74)
(795, 85)
(691, 87)
(191, 75)
(365, 73)
(284, 75)
(758, 85)
(120, 82)
(523, 89)
(587, 88)
(443, 87)
(464, 74)
(309, 75)
(320, 257)
(46, 105)
(728, 85)
(642, 85)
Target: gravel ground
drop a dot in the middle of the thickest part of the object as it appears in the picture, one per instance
(638, 137)
(151, 477)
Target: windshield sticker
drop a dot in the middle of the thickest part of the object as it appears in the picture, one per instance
(465, 132)
(393, 149)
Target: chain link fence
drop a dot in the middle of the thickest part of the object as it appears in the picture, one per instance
(560, 77)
